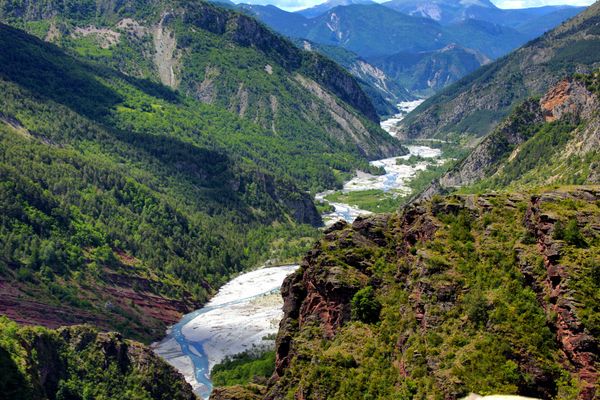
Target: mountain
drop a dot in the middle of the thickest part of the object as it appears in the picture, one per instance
(322, 8)
(489, 293)
(477, 103)
(430, 71)
(128, 202)
(79, 362)
(537, 25)
(533, 21)
(553, 140)
(489, 38)
(383, 90)
(207, 58)
(290, 24)
(407, 45)
(373, 30)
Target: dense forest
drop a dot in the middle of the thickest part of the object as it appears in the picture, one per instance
(103, 174)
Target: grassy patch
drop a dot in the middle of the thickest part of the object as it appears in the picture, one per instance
(374, 200)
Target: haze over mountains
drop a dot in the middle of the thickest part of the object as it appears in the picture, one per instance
(421, 46)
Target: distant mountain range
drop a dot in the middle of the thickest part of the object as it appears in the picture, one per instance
(409, 40)
(477, 103)
(328, 5)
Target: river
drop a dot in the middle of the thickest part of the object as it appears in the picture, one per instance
(245, 313)
(396, 177)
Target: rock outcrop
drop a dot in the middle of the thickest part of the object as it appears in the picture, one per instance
(78, 361)
(429, 266)
(569, 102)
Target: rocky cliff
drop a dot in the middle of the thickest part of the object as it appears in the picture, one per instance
(79, 362)
(486, 294)
(546, 141)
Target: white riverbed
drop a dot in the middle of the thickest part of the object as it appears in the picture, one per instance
(390, 124)
(243, 315)
(396, 176)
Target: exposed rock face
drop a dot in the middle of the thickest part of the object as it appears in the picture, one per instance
(349, 128)
(135, 294)
(569, 100)
(317, 306)
(246, 31)
(579, 348)
(165, 57)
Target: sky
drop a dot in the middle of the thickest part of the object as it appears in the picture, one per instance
(293, 5)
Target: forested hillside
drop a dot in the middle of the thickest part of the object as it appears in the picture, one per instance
(137, 178)
(547, 141)
(124, 203)
(494, 293)
(224, 58)
(81, 363)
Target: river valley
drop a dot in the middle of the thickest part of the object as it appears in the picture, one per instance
(245, 313)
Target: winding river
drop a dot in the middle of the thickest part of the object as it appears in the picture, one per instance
(245, 313)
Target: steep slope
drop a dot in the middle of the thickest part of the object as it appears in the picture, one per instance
(554, 140)
(322, 8)
(287, 23)
(486, 294)
(477, 103)
(384, 91)
(373, 30)
(532, 21)
(444, 11)
(492, 39)
(78, 362)
(224, 58)
(123, 203)
(430, 71)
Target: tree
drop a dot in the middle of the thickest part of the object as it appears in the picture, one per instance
(365, 307)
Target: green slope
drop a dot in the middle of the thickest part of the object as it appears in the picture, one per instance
(548, 141)
(489, 294)
(225, 58)
(121, 198)
(476, 104)
(80, 363)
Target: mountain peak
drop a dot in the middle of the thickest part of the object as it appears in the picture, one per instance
(328, 5)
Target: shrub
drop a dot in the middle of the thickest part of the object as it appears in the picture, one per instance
(365, 307)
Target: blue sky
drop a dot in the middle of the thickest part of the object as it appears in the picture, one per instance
(292, 5)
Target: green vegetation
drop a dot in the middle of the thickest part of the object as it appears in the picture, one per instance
(219, 64)
(108, 175)
(457, 314)
(373, 200)
(477, 103)
(78, 363)
(365, 307)
(412, 160)
(252, 366)
(570, 234)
